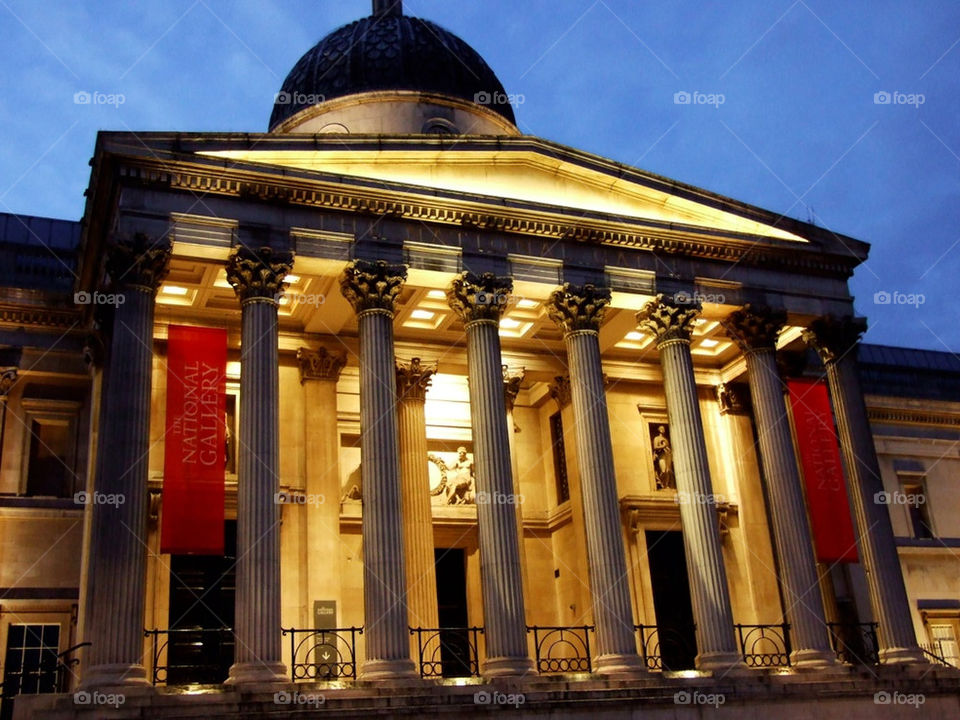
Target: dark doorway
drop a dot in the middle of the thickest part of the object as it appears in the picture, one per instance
(202, 591)
(671, 600)
(451, 566)
(30, 663)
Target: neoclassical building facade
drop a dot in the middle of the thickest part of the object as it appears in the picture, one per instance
(492, 408)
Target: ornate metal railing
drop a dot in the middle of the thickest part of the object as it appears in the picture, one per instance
(448, 652)
(934, 653)
(196, 655)
(855, 643)
(562, 649)
(763, 646)
(66, 661)
(323, 654)
(662, 646)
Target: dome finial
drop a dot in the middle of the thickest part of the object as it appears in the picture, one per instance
(388, 8)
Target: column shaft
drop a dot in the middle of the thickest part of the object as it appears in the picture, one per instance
(612, 612)
(257, 623)
(710, 594)
(504, 620)
(118, 547)
(875, 539)
(801, 587)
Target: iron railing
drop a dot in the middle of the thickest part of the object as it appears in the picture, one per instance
(448, 652)
(934, 653)
(667, 648)
(855, 643)
(763, 646)
(562, 649)
(323, 654)
(191, 655)
(65, 661)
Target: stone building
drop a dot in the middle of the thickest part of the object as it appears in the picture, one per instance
(500, 421)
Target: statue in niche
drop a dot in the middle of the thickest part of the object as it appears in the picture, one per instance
(662, 457)
(353, 488)
(456, 480)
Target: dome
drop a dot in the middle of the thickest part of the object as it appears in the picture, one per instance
(389, 52)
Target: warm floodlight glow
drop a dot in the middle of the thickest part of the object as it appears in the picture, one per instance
(525, 304)
(509, 324)
(437, 295)
(291, 279)
(422, 315)
(708, 343)
(173, 290)
(634, 335)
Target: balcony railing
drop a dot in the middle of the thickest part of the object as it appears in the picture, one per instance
(191, 655)
(448, 652)
(323, 654)
(562, 649)
(934, 653)
(855, 643)
(763, 646)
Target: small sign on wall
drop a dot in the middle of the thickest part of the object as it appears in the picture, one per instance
(324, 614)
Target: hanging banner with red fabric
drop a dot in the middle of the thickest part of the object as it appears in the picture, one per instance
(195, 441)
(833, 535)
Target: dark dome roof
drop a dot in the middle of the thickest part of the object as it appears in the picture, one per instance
(389, 53)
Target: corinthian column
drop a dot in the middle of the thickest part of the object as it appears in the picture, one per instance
(372, 289)
(257, 278)
(413, 379)
(836, 342)
(579, 311)
(479, 301)
(319, 372)
(671, 326)
(755, 331)
(118, 545)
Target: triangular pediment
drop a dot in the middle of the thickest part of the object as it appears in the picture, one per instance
(523, 172)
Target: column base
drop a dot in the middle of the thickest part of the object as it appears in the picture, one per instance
(622, 664)
(507, 666)
(115, 675)
(378, 670)
(245, 673)
(721, 662)
(813, 659)
(902, 656)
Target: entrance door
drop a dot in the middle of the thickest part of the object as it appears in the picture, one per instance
(30, 663)
(202, 590)
(451, 567)
(671, 600)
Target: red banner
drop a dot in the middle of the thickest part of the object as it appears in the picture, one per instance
(195, 441)
(833, 534)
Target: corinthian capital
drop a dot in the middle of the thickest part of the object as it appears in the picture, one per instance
(755, 327)
(479, 297)
(511, 385)
(320, 364)
(258, 273)
(833, 337)
(372, 285)
(413, 379)
(666, 319)
(578, 307)
(138, 261)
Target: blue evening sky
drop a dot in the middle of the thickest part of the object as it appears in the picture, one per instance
(800, 130)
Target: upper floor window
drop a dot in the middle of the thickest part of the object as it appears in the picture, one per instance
(49, 464)
(918, 510)
(559, 458)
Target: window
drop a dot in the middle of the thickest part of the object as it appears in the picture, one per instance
(943, 639)
(30, 665)
(559, 458)
(919, 514)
